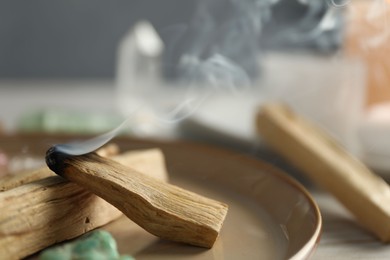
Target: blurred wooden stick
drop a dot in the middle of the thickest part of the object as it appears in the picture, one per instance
(41, 213)
(323, 160)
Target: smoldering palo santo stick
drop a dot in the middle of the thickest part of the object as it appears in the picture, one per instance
(162, 209)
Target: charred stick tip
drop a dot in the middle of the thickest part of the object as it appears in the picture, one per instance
(55, 159)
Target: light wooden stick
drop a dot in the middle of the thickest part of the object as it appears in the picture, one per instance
(365, 194)
(11, 181)
(41, 213)
(139, 159)
(148, 161)
(164, 210)
(14, 180)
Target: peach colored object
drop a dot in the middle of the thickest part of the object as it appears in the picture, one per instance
(368, 38)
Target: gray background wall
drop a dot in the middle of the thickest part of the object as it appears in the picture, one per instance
(79, 38)
(74, 38)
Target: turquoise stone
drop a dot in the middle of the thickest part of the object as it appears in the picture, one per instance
(95, 245)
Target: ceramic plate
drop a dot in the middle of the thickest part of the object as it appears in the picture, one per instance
(270, 216)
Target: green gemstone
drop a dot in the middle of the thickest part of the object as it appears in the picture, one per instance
(95, 245)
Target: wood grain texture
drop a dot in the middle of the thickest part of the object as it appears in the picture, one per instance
(139, 159)
(323, 160)
(41, 213)
(13, 180)
(164, 210)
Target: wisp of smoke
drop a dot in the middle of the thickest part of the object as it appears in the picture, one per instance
(218, 51)
(338, 3)
(83, 147)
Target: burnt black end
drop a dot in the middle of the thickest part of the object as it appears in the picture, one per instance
(55, 160)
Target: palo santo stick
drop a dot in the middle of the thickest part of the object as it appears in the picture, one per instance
(14, 180)
(139, 160)
(162, 209)
(39, 214)
(365, 194)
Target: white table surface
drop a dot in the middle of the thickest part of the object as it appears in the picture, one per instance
(342, 237)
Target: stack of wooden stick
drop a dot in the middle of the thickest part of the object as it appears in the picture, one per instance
(39, 209)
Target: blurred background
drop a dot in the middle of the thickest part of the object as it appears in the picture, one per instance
(202, 71)
(197, 69)
(74, 40)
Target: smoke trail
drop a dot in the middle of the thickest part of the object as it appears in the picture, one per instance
(338, 4)
(306, 24)
(83, 147)
(218, 52)
(222, 40)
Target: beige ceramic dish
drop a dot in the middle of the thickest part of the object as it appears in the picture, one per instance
(270, 216)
